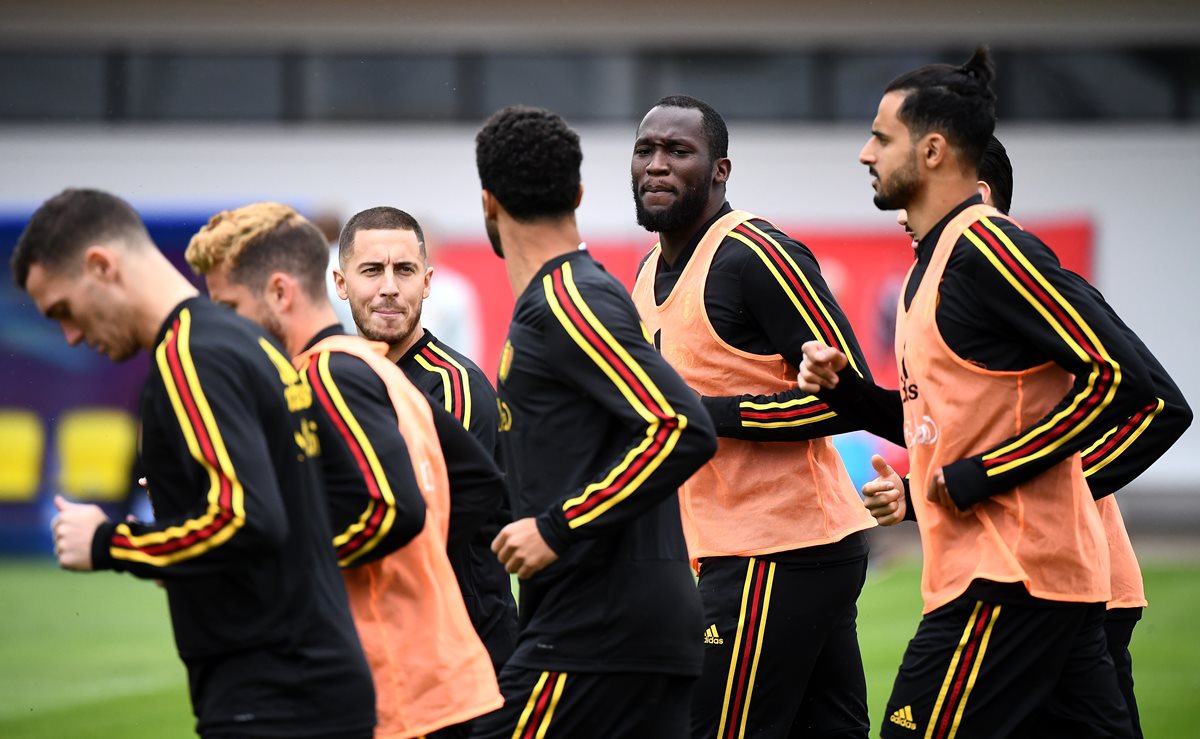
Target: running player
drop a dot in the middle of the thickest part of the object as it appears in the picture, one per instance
(773, 519)
(598, 433)
(383, 470)
(1116, 458)
(1008, 368)
(384, 275)
(241, 536)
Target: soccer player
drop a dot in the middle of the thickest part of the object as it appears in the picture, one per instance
(598, 433)
(384, 275)
(1009, 368)
(383, 465)
(241, 536)
(773, 519)
(1109, 463)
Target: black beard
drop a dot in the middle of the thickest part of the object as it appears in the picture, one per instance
(493, 234)
(686, 211)
(902, 190)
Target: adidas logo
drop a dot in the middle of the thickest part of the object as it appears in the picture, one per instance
(904, 717)
(711, 636)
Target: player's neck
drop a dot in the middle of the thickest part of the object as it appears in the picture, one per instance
(674, 243)
(935, 201)
(154, 305)
(400, 348)
(528, 246)
(305, 323)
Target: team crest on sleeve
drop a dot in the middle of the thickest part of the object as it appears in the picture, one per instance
(506, 358)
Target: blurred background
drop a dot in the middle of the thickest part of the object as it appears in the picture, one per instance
(186, 108)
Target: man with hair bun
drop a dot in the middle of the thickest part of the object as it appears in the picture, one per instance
(1009, 369)
(240, 539)
(389, 459)
(598, 433)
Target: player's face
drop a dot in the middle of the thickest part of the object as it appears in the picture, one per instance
(243, 301)
(385, 279)
(87, 307)
(672, 172)
(891, 157)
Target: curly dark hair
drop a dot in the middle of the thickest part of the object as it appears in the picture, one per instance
(67, 223)
(956, 101)
(996, 170)
(715, 130)
(529, 158)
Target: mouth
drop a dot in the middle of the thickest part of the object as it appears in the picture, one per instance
(387, 311)
(657, 194)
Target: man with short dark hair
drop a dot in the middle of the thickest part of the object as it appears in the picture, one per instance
(387, 458)
(241, 536)
(385, 276)
(598, 433)
(773, 519)
(1009, 368)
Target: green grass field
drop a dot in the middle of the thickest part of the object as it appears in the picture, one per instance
(92, 656)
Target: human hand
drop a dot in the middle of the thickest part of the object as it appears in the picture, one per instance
(938, 493)
(521, 549)
(884, 496)
(73, 528)
(819, 368)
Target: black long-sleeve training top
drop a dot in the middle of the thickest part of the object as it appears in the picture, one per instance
(241, 537)
(451, 380)
(598, 433)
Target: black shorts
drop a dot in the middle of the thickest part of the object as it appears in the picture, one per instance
(1022, 669)
(1118, 628)
(781, 652)
(577, 705)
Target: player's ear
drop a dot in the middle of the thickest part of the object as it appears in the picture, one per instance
(280, 289)
(491, 205)
(100, 262)
(985, 192)
(932, 149)
(339, 283)
(722, 168)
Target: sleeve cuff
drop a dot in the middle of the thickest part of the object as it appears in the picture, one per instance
(846, 391)
(102, 558)
(553, 528)
(724, 411)
(910, 512)
(966, 482)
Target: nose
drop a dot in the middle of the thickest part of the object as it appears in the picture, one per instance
(389, 285)
(866, 155)
(658, 162)
(72, 334)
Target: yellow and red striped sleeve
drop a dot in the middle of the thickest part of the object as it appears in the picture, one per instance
(456, 386)
(663, 426)
(225, 511)
(378, 513)
(1103, 378)
(812, 312)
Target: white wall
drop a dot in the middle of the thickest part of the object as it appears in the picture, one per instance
(1137, 184)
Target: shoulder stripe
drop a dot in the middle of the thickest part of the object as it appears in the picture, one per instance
(797, 287)
(1062, 317)
(225, 513)
(456, 384)
(664, 426)
(377, 518)
(1118, 439)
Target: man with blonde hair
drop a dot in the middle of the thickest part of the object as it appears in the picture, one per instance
(386, 476)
